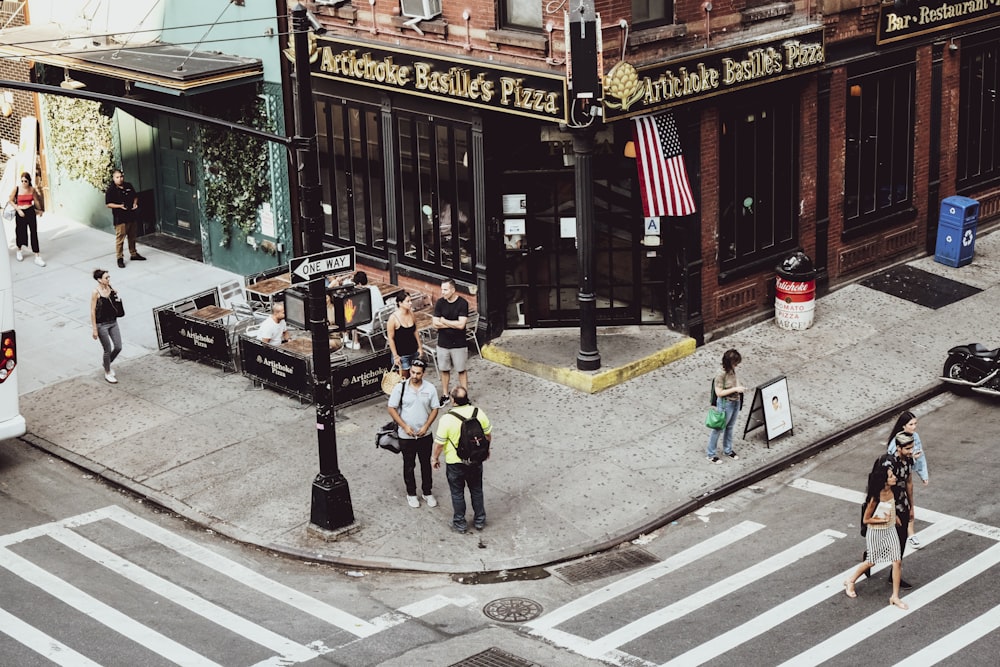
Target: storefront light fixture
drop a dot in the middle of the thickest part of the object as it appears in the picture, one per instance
(630, 149)
(70, 83)
(856, 90)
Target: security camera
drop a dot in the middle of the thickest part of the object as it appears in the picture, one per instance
(314, 23)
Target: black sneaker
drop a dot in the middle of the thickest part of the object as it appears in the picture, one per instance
(121, 262)
(733, 456)
(137, 258)
(715, 460)
(445, 400)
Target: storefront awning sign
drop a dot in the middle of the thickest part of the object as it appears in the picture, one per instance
(635, 91)
(454, 80)
(920, 18)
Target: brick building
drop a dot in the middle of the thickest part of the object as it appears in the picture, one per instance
(833, 127)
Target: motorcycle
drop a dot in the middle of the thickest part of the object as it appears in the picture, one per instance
(973, 367)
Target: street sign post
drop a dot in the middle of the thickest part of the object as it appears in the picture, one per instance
(317, 265)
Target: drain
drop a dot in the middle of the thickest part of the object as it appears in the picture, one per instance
(494, 657)
(604, 565)
(512, 610)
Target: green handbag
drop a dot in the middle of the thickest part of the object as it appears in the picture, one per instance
(715, 419)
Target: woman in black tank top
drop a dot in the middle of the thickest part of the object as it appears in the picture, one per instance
(401, 331)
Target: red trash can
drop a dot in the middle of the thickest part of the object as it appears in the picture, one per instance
(795, 293)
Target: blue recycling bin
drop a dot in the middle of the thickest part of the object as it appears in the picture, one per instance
(956, 239)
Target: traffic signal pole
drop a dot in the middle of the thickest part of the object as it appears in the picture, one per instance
(331, 496)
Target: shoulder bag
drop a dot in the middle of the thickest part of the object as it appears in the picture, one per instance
(387, 437)
(716, 418)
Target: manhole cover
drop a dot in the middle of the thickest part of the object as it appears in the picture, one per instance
(604, 565)
(512, 610)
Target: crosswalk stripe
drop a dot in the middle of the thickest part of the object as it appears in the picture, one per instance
(41, 643)
(716, 591)
(241, 574)
(774, 617)
(857, 497)
(954, 641)
(43, 529)
(100, 612)
(880, 620)
(287, 648)
(643, 577)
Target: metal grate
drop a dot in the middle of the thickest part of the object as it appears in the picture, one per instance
(513, 610)
(494, 657)
(598, 567)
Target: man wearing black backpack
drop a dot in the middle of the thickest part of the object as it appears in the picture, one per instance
(464, 429)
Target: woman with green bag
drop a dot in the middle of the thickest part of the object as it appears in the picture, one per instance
(729, 394)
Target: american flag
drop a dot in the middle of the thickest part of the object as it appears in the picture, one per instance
(663, 179)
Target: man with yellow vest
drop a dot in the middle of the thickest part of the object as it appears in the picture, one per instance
(461, 473)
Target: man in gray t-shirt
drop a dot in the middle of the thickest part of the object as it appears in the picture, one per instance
(413, 405)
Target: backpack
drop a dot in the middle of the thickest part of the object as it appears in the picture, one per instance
(472, 447)
(713, 398)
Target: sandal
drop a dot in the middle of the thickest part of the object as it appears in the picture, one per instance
(849, 589)
(896, 602)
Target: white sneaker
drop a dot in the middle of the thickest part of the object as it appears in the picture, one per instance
(412, 501)
(915, 543)
(431, 501)
(112, 373)
(111, 378)
(39, 261)
(20, 256)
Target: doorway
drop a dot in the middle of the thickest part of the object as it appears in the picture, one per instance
(179, 214)
(541, 263)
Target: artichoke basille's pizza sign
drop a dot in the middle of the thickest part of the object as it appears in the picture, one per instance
(635, 91)
(459, 81)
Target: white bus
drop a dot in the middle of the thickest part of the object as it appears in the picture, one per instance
(11, 421)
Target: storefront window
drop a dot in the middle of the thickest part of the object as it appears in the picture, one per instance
(352, 174)
(652, 11)
(758, 181)
(878, 169)
(979, 116)
(435, 193)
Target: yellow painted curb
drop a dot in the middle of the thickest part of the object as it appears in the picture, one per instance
(591, 383)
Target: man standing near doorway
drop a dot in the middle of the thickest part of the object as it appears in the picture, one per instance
(123, 201)
(450, 315)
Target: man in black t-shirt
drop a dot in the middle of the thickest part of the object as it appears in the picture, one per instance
(123, 201)
(450, 315)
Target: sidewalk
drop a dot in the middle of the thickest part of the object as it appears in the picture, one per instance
(570, 472)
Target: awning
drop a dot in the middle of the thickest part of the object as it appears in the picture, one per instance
(158, 66)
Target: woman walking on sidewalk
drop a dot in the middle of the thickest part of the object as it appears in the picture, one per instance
(881, 539)
(907, 423)
(104, 310)
(730, 399)
(27, 206)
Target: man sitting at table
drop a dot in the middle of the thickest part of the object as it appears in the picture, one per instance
(274, 330)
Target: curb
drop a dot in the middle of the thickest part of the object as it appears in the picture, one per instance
(590, 383)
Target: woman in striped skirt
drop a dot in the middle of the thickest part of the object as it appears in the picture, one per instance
(881, 538)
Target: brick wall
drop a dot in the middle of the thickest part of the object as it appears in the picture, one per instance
(22, 103)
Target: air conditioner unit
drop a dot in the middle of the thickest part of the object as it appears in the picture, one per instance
(421, 9)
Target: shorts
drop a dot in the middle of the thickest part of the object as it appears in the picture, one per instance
(406, 360)
(452, 359)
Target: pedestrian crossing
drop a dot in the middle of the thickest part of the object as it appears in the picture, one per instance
(271, 648)
(650, 639)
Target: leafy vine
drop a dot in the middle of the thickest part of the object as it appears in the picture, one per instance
(79, 139)
(236, 173)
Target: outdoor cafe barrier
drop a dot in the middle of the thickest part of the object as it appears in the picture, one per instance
(191, 326)
(285, 369)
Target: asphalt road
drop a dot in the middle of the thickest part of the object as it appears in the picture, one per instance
(90, 573)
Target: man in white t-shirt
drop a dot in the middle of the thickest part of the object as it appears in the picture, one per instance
(274, 330)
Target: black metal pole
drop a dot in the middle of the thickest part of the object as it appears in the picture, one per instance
(331, 497)
(588, 358)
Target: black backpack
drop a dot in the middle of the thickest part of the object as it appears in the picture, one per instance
(473, 446)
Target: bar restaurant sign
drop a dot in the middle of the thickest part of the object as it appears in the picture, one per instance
(920, 18)
(636, 91)
(467, 82)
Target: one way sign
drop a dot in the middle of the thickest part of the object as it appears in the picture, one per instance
(317, 265)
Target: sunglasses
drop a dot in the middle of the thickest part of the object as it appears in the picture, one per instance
(418, 364)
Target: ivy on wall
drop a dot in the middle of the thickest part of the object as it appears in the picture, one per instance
(236, 174)
(79, 139)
